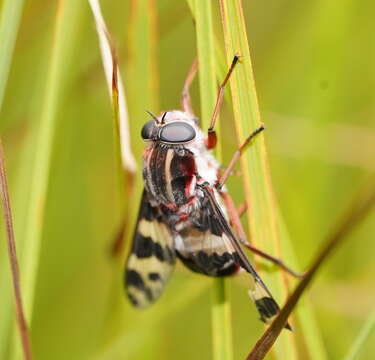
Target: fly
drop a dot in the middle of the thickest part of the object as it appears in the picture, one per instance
(186, 211)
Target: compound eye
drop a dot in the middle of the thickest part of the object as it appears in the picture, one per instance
(148, 130)
(177, 132)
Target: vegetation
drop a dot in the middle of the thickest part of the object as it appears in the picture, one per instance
(308, 77)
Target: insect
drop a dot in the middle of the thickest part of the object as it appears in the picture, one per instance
(186, 211)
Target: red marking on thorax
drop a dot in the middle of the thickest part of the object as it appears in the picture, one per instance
(189, 170)
(189, 189)
(187, 165)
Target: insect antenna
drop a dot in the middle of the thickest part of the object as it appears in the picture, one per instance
(162, 119)
(154, 117)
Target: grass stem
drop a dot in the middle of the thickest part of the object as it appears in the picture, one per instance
(220, 312)
(356, 213)
(21, 321)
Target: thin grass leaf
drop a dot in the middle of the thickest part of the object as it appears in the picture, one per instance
(300, 94)
(367, 330)
(11, 11)
(142, 66)
(265, 223)
(127, 165)
(141, 69)
(142, 79)
(357, 212)
(67, 15)
(9, 22)
(222, 333)
(115, 88)
(142, 83)
(221, 317)
(24, 333)
(67, 20)
(262, 218)
(309, 331)
(202, 11)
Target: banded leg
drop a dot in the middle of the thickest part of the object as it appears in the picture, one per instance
(223, 178)
(211, 136)
(185, 97)
(236, 223)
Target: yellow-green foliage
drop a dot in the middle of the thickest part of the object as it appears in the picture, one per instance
(313, 67)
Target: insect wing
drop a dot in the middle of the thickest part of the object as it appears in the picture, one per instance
(266, 305)
(204, 247)
(151, 259)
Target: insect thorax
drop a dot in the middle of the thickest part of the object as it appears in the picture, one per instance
(171, 172)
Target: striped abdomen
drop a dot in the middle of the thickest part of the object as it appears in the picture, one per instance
(169, 174)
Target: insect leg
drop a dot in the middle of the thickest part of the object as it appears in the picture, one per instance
(236, 223)
(242, 209)
(185, 97)
(211, 136)
(265, 303)
(223, 178)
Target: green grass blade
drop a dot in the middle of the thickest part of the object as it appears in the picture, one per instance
(66, 24)
(206, 56)
(126, 163)
(68, 16)
(141, 77)
(367, 330)
(142, 83)
(12, 253)
(9, 23)
(359, 209)
(220, 312)
(116, 90)
(317, 110)
(262, 218)
(221, 321)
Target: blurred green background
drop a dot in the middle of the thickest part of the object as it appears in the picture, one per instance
(314, 69)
